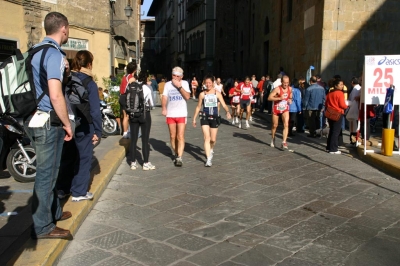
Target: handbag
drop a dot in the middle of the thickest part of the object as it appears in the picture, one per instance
(352, 113)
(332, 114)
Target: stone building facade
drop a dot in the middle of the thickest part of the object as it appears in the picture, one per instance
(22, 27)
(245, 37)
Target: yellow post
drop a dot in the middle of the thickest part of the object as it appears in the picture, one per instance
(387, 141)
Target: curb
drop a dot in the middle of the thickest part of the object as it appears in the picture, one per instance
(47, 251)
(386, 164)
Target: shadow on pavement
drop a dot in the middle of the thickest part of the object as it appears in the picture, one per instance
(17, 231)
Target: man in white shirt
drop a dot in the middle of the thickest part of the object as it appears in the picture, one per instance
(174, 107)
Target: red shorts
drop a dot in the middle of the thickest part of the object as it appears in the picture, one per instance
(176, 120)
(276, 112)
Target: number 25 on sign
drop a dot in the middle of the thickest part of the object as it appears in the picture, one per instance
(380, 71)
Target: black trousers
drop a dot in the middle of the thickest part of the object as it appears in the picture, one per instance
(335, 130)
(145, 128)
(292, 121)
(300, 122)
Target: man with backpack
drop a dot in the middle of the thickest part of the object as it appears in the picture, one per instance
(130, 71)
(50, 71)
(174, 107)
(267, 87)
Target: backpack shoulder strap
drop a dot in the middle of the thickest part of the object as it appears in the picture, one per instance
(32, 51)
(86, 81)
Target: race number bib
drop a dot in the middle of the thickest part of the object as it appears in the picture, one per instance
(236, 99)
(210, 100)
(246, 91)
(282, 105)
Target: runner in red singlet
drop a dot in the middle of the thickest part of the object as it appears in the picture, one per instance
(234, 94)
(282, 98)
(246, 92)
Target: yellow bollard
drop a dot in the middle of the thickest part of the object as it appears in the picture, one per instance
(387, 141)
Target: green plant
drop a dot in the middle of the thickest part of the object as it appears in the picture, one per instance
(113, 100)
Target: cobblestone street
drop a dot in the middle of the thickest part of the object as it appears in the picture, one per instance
(256, 205)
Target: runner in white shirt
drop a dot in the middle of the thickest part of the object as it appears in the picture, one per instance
(219, 86)
(174, 107)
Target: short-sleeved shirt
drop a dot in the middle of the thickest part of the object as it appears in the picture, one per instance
(176, 104)
(219, 87)
(53, 65)
(124, 83)
(247, 91)
(235, 98)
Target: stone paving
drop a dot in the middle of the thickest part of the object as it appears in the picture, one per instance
(256, 205)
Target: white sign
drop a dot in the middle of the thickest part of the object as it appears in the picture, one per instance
(76, 44)
(380, 71)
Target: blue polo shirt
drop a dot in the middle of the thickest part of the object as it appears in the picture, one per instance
(53, 68)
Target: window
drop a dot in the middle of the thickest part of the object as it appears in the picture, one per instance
(289, 10)
(266, 26)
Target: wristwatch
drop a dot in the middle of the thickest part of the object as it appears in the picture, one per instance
(179, 88)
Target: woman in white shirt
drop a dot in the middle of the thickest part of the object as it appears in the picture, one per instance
(144, 123)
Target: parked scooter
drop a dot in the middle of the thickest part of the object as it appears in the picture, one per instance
(110, 124)
(16, 153)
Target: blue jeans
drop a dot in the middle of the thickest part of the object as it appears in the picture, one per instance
(155, 101)
(46, 209)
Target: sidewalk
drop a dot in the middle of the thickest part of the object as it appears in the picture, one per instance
(16, 246)
(389, 165)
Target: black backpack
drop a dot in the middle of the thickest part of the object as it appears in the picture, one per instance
(268, 87)
(135, 105)
(77, 93)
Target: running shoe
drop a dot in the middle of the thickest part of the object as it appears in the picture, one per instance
(208, 163)
(240, 125)
(134, 165)
(247, 124)
(211, 154)
(284, 146)
(335, 152)
(88, 196)
(272, 143)
(148, 166)
(233, 122)
(251, 118)
(237, 120)
(178, 161)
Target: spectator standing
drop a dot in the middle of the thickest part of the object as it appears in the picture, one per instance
(144, 124)
(88, 133)
(335, 100)
(295, 108)
(130, 72)
(268, 86)
(300, 118)
(154, 86)
(101, 94)
(254, 81)
(260, 91)
(161, 87)
(314, 101)
(50, 71)
(354, 98)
